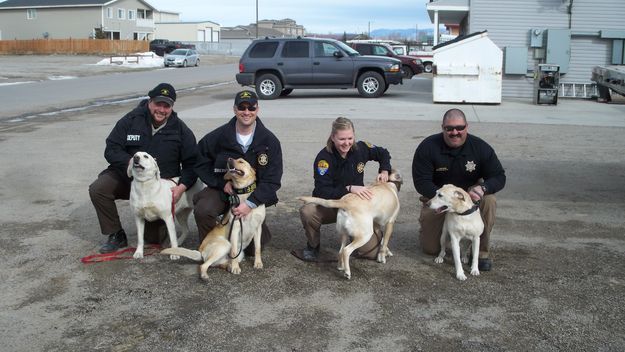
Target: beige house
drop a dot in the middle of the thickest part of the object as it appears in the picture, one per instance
(80, 19)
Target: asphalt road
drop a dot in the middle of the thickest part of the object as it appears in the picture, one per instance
(557, 283)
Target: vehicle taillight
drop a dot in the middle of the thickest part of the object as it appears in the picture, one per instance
(241, 68)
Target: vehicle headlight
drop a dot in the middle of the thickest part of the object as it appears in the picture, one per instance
(394, 68)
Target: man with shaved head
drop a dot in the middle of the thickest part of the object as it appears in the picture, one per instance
(456, 157)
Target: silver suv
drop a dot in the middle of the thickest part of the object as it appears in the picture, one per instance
(276, 66)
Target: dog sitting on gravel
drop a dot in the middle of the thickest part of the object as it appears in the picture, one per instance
(151, 199)
(233, 235)
(462, 221)
(357, 218)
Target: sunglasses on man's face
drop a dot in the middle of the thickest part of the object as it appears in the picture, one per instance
(457, 128)
(246, 107)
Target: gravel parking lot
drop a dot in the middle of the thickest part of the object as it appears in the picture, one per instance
(557, 283)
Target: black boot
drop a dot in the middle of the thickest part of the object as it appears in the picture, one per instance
(116, 241)
(310, 254)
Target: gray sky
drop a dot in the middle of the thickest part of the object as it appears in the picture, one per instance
(319, 16)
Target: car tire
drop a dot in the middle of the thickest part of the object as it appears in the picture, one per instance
(166, 65)
(406, 72)
(286, 92)
(371, 85)
(197, 62)
(427, 68)
(268, 86)
(184, 63)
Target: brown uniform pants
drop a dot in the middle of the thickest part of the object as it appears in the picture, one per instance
(432, 226)
(208, 206)
(103, 192)
(313, 216)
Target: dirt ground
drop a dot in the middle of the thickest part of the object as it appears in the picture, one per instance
(557, 282)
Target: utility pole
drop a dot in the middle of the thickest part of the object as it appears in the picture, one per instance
(369, 30)
(256, 19)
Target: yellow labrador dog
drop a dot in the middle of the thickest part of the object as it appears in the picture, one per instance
(151, 199)
(358, 218)
(462, 220)
(234, 236)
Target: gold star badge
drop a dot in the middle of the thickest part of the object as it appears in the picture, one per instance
(470, 166)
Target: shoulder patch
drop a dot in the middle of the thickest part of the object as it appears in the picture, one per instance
(369, 145)
(322, 167)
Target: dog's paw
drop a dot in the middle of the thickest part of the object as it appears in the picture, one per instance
(381, 258)
(204, 275)
(347, 275)
(174, 257)
(439, 260)
(138, 255)
(461, 276)
(258, 265)
(475, 272)
(235, 271)
(389, 253)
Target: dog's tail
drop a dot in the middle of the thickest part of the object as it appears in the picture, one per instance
(188, 253)
(328, 203)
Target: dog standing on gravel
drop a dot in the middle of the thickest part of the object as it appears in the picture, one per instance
(151, 199)
(358, 218)
(462, 221)
(233, 236)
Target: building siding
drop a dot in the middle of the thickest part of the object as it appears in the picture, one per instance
(509, 24)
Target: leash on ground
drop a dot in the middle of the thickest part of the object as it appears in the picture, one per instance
(149, 249)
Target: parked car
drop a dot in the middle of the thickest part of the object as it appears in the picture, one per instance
(276, 66)
(410, 65)
(182, 58)
(163, 46)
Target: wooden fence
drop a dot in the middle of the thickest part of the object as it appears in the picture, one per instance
(73, 46)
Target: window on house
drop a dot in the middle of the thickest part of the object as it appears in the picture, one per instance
(131, 14)
(121, 14)
(109, 12)
(141, 14)
(31, 14)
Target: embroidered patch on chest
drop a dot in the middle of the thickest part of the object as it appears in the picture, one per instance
(360, 167)
(263, 159)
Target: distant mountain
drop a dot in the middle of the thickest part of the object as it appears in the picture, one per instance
(384, 33)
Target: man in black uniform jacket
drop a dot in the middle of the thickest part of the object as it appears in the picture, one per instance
(152, 127)
(244, 136)
(455, 157)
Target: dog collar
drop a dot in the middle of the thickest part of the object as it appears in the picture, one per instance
(248, 189)
(473, 209)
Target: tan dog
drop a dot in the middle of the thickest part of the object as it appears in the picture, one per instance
(216, 245)
(358, 218)
(151, 199)
(463, 220)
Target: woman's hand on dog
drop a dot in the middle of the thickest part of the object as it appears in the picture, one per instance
(362, 192)
(383, 176)
(241, 211)
(476, 193)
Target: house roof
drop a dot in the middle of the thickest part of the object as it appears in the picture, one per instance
(17, 4)
(249, 32)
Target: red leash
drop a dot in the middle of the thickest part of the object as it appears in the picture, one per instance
(148, 249)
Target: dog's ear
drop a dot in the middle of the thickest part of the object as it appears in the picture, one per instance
(459, 195)
(129, 168)
(158, 171)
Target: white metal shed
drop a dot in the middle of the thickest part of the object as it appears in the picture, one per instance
(467, 69)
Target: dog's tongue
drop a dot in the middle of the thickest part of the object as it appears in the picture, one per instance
(441, 209)
(138, 166)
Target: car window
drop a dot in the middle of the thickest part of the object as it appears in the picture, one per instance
(179, 52)
(264, 49)
(296, 48)
(346, 48)
(379, 50)
(364, 49)
(323, 49)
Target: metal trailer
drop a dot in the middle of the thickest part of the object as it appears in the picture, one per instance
(609, 78)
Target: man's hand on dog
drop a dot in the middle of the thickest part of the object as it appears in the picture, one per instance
(476, 192)
(383, 176)
(241, 211)
(177, 192)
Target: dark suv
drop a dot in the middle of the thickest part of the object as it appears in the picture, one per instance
(276, 66)
(410, 66)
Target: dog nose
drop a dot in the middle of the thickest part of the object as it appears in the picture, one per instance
(135, 158)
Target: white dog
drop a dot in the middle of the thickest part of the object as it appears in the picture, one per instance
(463, 220)
(151, 199)
(357, 218)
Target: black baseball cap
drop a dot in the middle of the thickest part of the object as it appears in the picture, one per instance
(164, 92)
(245, 96)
